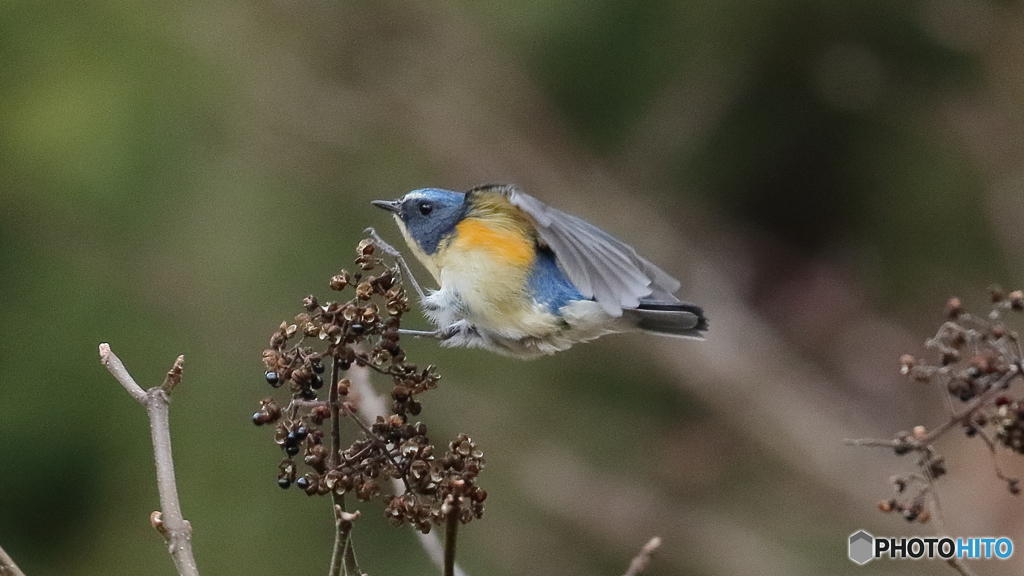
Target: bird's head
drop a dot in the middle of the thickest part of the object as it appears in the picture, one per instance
(426, 216)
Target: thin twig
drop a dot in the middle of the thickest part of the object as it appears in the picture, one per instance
(169, 520)
(7, 565)
(451, 531)
(639, 562)
(932, 491)
(1010, 480)
(376, 440)
(390, 250)
(913, 443)
(343, 556)
(340, 535)
(335, 405)
(371, 406)
(338, 552)
(351, 567)
(113, 363)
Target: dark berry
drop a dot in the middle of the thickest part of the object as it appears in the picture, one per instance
(317, 382)
(318, 368)
(344, 364)
(302, 483)
(273, 379)
(259, 419)
(291, 449)
(357, 328)
(284, 483)
(300, 433)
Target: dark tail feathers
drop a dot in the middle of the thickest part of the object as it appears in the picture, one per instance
(670, 318)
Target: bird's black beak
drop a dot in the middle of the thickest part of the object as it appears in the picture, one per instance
(389, 205)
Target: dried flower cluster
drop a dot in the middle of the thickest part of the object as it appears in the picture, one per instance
(439, 487)
(979, 358)
(311, 356)
(915, 508)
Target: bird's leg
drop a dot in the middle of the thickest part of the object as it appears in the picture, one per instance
(394, 253)
(441, 333)
(422, 333)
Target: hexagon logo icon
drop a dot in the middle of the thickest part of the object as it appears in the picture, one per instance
(861, 547)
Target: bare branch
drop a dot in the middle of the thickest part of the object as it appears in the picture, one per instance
(169, 520)
(113, 363)
(341, 535)
(1012, 483)
(917, 443)
(639, 562)
(451, 530)
(7, 565)
(173, 377)
(343, 556)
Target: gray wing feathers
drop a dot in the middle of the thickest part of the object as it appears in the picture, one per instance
(599, 265)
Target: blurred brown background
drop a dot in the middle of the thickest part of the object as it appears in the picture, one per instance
(821, 175)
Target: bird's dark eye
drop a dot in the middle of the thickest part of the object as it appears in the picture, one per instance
(426, 208)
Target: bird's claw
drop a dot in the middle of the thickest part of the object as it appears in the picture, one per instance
(394, 253)
(382, 243)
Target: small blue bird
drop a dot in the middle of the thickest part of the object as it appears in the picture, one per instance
(523, 279)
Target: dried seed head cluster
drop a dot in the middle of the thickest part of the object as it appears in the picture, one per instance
(310, 358)
(911, 490)
(1009, 423)
(975, 353)
(909, 499)
(439, 486)
(978, 360)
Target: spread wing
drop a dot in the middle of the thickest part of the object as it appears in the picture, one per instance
(601, 266)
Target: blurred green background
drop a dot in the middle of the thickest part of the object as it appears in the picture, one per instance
(821, 175)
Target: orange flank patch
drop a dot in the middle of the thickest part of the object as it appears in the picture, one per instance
(509, 245)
